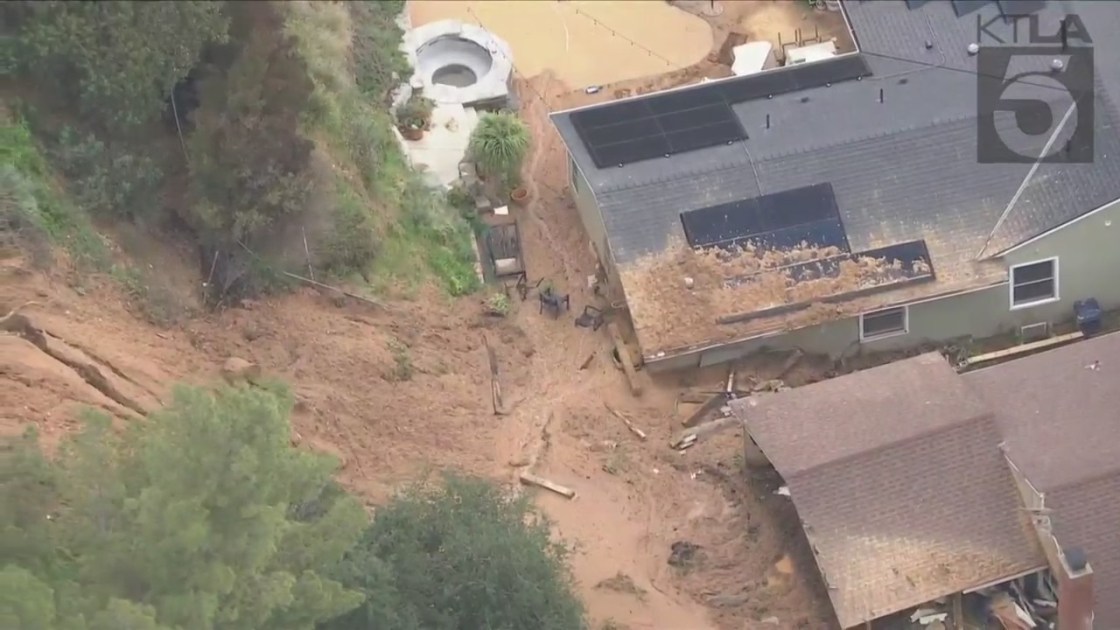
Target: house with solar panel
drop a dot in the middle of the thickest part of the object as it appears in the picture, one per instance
(875, 200)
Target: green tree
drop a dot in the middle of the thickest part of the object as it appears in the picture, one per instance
(500, 143)
(118, 59)
(459, 557)
(250, 159)
(25, 601)
(203, 516)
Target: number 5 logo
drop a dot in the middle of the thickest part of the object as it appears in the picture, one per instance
(1032, 115)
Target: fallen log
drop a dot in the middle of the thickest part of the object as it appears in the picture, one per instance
(629, 425)
(530, 479)
(495, 384)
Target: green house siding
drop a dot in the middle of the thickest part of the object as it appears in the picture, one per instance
(1088, 253)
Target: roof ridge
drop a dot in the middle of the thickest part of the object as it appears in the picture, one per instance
(986, 416)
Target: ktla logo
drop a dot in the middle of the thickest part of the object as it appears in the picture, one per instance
(1034, 101)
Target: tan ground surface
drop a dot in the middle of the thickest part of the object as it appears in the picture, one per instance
(584, 43)
(635, 499)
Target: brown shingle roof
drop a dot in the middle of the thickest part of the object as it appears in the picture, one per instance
(1053, 410)
(851, 415)
(1061, 421)
(897, 476)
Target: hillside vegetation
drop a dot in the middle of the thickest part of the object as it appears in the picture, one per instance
(242, 129)
(247, 126)
(204, 516)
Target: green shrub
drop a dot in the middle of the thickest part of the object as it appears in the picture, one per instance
(108, 181)
(499, 144)
(352, 244)
(379, 63)
(461, 556)
(31, 209)
(416, 112)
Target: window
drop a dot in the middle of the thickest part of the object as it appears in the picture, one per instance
(573, 175)
(1034, 283)
(885, 323)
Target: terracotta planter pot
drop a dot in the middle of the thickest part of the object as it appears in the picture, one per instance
(412, 134)
(519, 196)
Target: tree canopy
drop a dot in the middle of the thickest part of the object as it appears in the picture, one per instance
(203, 516)
(459, 556)
(118, 59)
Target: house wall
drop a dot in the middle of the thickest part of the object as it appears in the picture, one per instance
(592, 219)
(1088, 253)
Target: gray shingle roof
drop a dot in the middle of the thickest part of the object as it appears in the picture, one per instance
(900, 168)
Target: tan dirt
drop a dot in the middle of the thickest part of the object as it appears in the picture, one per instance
(573, 39)
(389, 425)
(671, 313)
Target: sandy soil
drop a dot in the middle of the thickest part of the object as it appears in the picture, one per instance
(634, 498)
(347, 362)
(574, 38)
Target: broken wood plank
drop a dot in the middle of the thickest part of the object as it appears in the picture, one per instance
(629, 425)
(624, 358)
(696, 397)
(530, 479)
(710, 405)
(1024, 348)
(687, 438)
(699, 396)
(587, 361)
(683, 441)
(495, 383)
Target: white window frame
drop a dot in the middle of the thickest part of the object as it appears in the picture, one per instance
(886, 335)
(1011, 285)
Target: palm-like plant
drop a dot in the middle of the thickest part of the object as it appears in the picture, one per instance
(499, 144)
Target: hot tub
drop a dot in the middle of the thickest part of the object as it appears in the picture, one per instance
(457, 63)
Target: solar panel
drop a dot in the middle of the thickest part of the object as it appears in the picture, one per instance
(781, 220)
(695, 118)
(632, 131)
(964, 7)
(912, 256)
(914, 4)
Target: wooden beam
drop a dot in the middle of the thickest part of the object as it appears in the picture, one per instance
(1024, 348)
(624, 358)
(530, 479)
(629, 425)
(495, 383)
(713, 403)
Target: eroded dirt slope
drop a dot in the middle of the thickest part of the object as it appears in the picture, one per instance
(396, 392)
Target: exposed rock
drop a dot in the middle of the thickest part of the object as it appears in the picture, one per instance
(237, 369)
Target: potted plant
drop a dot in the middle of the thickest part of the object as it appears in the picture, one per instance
(499, 144)
(414, 116)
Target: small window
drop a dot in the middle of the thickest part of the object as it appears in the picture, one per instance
(1034, 283)
(573, 175)
(885, 323)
